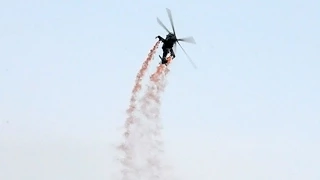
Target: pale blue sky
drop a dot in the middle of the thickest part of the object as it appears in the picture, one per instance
(250, 111)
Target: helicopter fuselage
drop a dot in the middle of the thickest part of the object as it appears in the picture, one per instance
(169, 42)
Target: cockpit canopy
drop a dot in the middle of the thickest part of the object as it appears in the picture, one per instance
(171, 36)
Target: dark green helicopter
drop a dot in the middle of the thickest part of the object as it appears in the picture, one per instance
(169, 43)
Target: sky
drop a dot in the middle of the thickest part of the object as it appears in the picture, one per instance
(250, 111)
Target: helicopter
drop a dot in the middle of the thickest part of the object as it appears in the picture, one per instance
(169, 43)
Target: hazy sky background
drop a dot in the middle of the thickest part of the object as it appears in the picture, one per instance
(250, 111)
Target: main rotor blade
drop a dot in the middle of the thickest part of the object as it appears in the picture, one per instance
(187, 56)
(171, 20)
(188, 40)
(161, 24)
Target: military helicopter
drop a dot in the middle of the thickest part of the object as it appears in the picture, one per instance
(169, 43)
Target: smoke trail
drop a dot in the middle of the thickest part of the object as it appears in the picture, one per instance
(143, 148)
(150, 107)
(128, 146)
(137, 87)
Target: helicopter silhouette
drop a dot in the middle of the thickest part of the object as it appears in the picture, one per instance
(171, 40)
